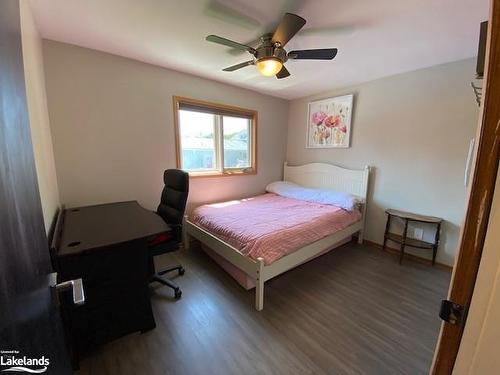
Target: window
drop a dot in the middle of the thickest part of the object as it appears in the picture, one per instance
(214, 139)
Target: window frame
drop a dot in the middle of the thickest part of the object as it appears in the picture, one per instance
(224, 110)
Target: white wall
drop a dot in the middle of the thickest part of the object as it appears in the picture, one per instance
(414, 129)
(113, 131)
(38, 114)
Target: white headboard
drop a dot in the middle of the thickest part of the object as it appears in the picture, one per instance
(329, 176)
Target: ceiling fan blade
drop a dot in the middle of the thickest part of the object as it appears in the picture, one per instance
(229, 43)
(253, 43)
(289, 26)
(283, 73)
(238, 66)
(313, 54)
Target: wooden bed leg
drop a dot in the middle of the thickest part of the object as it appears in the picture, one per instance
(186, 239)
(259, 286)
(360, 237)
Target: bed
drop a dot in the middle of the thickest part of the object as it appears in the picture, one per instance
(278, 233)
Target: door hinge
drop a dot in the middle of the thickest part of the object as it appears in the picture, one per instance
(452, 312)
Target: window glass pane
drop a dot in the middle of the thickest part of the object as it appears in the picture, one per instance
(236, 131)
(197, 140)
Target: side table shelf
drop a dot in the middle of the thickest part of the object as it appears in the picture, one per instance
(403, 240)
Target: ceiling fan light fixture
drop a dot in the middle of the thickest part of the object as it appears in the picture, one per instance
(269, 56)
(269, 66)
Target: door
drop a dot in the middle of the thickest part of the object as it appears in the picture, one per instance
(31, 334)
(480, 200)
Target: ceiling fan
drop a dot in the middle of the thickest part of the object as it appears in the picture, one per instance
(269, 56)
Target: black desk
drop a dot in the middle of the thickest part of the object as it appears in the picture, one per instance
(107, 246)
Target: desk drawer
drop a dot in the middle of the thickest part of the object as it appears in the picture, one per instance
(115, 282)
(107, 316)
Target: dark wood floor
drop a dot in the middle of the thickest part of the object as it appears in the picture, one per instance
(352, 311)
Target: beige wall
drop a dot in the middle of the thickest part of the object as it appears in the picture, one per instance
(478, 352)
(113, 132)
(414, 129)
(38, 113)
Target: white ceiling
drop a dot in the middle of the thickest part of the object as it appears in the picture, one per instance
(375, 38)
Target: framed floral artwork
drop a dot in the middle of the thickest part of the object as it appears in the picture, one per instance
(329, 122)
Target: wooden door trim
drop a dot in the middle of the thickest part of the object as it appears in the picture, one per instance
(480, 199)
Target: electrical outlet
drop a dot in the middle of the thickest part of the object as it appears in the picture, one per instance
(418, 233)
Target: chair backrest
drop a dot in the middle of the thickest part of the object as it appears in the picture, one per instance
(174, 197)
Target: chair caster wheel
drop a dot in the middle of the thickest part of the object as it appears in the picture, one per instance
(178, 294)
(182, 271)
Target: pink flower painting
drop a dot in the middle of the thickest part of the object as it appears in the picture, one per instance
(330, 122)
(318, 118)
(333, 121)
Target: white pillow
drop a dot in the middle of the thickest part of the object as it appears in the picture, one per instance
(323, 196)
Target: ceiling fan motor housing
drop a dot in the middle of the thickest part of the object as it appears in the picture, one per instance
(266, 52)
(269, 49)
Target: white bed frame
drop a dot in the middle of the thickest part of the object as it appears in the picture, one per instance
(317, 175)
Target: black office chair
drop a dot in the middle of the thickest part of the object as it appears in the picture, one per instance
(171, 209)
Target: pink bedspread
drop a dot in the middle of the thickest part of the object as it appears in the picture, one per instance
(271, 226)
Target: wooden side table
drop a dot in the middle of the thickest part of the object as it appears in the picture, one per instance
(403, 240)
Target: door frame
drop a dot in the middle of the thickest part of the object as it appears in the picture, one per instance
(480, 199)
(31, 328)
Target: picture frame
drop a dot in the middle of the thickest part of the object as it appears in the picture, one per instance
(329, 122)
